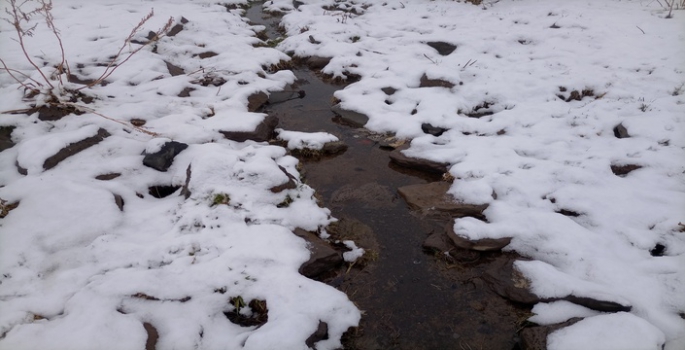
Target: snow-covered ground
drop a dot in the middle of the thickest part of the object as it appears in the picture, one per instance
(556, 78)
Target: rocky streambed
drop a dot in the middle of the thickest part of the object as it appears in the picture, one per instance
(416, 288)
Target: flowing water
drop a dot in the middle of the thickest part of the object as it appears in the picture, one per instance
(410, 299)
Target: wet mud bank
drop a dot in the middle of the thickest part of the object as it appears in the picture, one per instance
(411, 297)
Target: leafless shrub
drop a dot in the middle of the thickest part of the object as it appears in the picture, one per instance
(21, 16)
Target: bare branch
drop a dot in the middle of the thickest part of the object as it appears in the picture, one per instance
(10, 71)
(112, 66)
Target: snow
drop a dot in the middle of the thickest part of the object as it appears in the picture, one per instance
(72, 262)
(628, 332)
(305, 140)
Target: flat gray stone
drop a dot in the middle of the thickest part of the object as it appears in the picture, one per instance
(352, 118)
(481, 245)
(433, 197)
(323, 258)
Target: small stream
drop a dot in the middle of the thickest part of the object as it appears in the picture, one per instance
(410, 299)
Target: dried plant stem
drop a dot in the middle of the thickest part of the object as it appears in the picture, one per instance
(90, 110)
(17, 15)
(10, 71)
(112, 66)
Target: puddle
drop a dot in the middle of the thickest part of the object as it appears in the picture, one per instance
(410, 299)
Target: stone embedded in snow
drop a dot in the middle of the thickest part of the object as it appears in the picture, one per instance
(432, 130)
(185, 191)
(262, 133)
(399, 158)
(535, 338)
(320, 334)
(621, 132)
(256, 101)
(162, 159)
(426, 82)
(323, 258)
(442, 47)
(6, 137)
(353, 118)
(74, 148)
(623, 170)
(433, 197)
(288, 185)
(599, 305)
(174, 70)
(389, 90)
(482, 245)
(509, 283)
(119, 201)
(107, 177)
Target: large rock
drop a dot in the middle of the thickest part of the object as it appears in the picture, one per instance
(509, 283)
(481, 245)
(74, 148)
(162, 159)
(352, 118)
(433, 197)
(399, 158)
(262, 133)
(323, 258)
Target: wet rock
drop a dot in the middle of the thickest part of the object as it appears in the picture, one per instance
(352, 118)
(106, 177)
(262, 133)
(289, 93)
(508, 282)
(432, 130)
(426, 82)
(442, 47)
(623, 170)
(334, 147)
(323, 258)
(437, 242)
(433, 197)
(185, 190)
(119, 201)
(288, 185)
(6, 137)
(481, 245)
(535, 338)
(421, 164)
(162, 159)
(318, 62)
(74, 148)
(174, 70)
(320, 334)
(599, 305)
(256, 101)
(621, 132)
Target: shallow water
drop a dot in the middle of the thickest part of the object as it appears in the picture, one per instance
(410, 299)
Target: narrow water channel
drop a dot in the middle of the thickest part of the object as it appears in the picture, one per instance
(410, 299)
